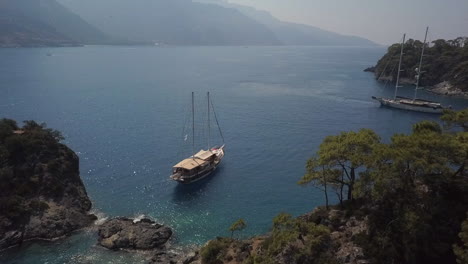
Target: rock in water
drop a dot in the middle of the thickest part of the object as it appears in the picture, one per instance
(124, 233)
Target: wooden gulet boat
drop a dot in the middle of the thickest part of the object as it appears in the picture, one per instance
(202, 163)
(414, 104)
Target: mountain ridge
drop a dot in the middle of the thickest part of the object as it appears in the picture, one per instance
(173, 22)
(30, 23)
(44, 23)
(290, 33)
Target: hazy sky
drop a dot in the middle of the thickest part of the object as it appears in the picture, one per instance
(383, 21)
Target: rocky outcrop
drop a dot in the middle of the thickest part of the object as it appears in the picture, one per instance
(146, 236)
(41, 193)
(125, 233)
(445, 88)
(49, 214)
(166, 257)
(344, 230)
(348, 252)
(387, 78)
(339, 245)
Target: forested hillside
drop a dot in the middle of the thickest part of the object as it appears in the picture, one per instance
(444, 60)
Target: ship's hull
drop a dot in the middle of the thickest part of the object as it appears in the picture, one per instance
(197, 177)
(409, 107)
(188, 179)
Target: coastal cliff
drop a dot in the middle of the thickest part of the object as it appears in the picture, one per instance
(41, 193)
(444, 69)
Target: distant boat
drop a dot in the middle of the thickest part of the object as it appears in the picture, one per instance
(202, 163)
(414, 104)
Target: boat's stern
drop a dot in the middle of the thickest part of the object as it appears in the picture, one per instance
(177, 177)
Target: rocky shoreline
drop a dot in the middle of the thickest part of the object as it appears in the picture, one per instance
(42, 197)
(142, 235)
(447, 89)
(443, 88)
(139, 234)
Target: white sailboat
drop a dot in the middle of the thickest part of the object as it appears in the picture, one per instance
(414, 104)
(202, 163)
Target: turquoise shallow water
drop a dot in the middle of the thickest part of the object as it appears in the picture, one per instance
(122, 109)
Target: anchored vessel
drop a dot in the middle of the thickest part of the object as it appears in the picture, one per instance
(204, 162)
(413, 104)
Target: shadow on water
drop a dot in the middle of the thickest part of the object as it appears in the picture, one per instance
(191, 192)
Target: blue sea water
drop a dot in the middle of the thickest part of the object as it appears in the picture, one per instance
(124, 111)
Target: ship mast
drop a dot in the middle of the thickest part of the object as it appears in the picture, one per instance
(193, 124)
(209, 132)
(420, 65)
(399, 67)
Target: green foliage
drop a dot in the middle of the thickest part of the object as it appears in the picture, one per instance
(7, 126)
(24, 155)
(461, 251)
(456, 119)
(417, 195)
(239, 225)
(443, 61)
(214, 251)
(38, 206)
(426, 127)
(299, 240)
(54, 165)
(338, 159)
(414, 189)
(13, 207)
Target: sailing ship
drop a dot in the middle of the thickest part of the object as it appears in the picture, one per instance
(204, 162)
(412, 104)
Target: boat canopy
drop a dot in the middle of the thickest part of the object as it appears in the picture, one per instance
(204, 154)
(190, 163)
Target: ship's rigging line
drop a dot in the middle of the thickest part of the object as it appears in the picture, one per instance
(201, 131)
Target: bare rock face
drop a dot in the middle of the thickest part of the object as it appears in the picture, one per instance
(125, 233)
(58, 221)
(445, 88)
(175, 256)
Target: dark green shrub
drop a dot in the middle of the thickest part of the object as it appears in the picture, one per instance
(38, 206)
(13, 207)
(213, 252)
(53, 165)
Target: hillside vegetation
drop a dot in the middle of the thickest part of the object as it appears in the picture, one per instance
(444, 60)
(405, 201)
